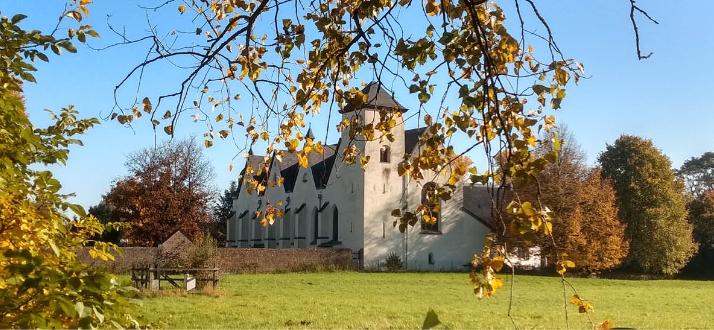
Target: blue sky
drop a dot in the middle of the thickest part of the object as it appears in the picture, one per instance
(666, 98)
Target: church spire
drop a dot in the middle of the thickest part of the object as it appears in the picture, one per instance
(378, 97)
(309, 134)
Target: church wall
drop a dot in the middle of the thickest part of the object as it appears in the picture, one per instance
(242, 229)
(304, 192)
(276, 197)
(345, 192)
(460, 235)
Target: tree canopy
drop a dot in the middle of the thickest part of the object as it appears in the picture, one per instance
(583, 208)
(652, 203)
(698, 173)
(701, 215)
(167, 190)
(223, 211)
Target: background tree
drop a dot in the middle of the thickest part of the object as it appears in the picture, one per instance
(167, 190)
(42, 283)
(584, 212)
(105, 215)
(698, 173)
(222, 212)
(652, 203)
(701, 214)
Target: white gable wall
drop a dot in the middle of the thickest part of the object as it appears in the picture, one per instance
(345, 191)
(304, 193)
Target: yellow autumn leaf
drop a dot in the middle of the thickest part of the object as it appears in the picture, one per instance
(605, 325)
(497, 263)
(302, 159)
(363, 161)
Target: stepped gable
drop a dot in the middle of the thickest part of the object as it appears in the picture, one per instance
(378, 97)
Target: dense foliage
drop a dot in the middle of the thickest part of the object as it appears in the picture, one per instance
(104, 213)
(698, 173)
(223, 211)
(42, 284)
(167, 190)
(583, 209)
(651, 203)
(701, 215)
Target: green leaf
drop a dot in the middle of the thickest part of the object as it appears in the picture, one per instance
(17, 18)
(42, 56)
(78, 210)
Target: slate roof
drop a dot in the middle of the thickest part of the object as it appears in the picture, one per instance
(321, 171)
(255, 162)
(411, 138)
(377, 97)
(321, 166)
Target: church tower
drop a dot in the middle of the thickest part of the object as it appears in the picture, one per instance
(380, 184)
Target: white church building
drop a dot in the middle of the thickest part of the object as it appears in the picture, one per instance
(334, 205)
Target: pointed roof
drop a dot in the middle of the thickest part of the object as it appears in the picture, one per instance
(321, 171)
(411, 138)
(378, 97)
(177, 241)
(309, 134)
(320, 165)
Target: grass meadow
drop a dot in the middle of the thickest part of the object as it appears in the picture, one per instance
(402, 300)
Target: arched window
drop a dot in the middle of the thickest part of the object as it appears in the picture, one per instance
(384, 154)
(433, 207)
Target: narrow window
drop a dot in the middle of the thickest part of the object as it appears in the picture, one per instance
(430, 200)
(335, 224)
(304, 177)
(431, 258)
(384, 154)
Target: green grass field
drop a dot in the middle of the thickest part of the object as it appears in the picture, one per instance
(379, 300)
